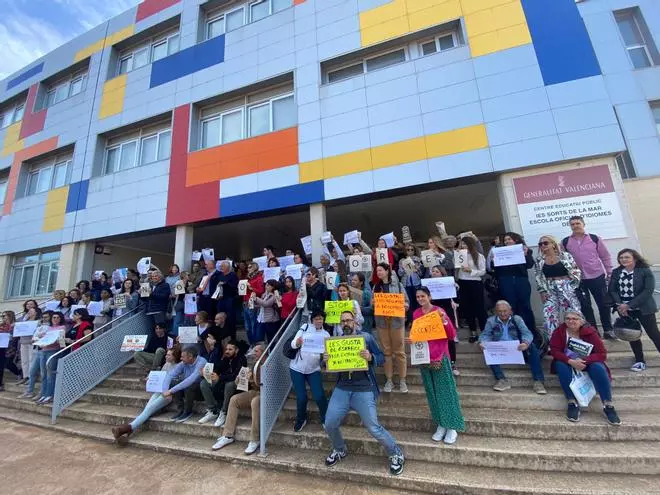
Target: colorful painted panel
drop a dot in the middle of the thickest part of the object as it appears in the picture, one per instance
(272, 199)
(150, 7)
(77, 199)
(33, 122)
(12, 83)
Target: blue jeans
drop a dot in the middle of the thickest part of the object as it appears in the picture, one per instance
(596, 371)
(364, 403)
(517, 292)
(177, 321)
(533, 359)
(316, 386)
(155, 404)
(250, 318)
(47, 376)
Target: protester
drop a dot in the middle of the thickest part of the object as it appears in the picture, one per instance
(268, 319)
(449, 306)
(358, 282)
(449, 243)
(228, 281)
(196, 274)
(436, 245)
(504, 327)
(35, 362)
(151, 357)
(410, 274)
(269, 252)
(306, 367)
(32, 313)
(173, 276)
(83, 286)
(358, 390)
(106, 312)
(391, 330)
(74, 295)
(289, 298)
(566, 362)
(187, 390)
(374, 260)
(210, 349)
(128, 289)
(65, 308)
(54, 322)
(438, 378)
(207, 288)
(316, 291)
(202, 322)
(471, 293)
(79, 333)
(7, 320)
(221, 330)
(631, 287)
(256, 287)
(557, 279)
(159, 300)
(343, 294)
(98, 286)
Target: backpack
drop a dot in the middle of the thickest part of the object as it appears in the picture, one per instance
(594, 238)
(288, 351)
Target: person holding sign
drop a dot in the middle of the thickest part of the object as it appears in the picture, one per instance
(436, 246)
(33, 314)
(567, 361)
(411, 272)
(306, 367)
(207, 288)
(471, 295)
(316, 291)
(159, 300)
(449, 306)
(289, 298)
(361, 292)
(268, 319)
(358, 390)
(343, 294)
(79, 333)
(151, 357)
(255, 286)
(391, 329)
(7, 321)
(128, 297)
(506, 326)
(439, 383)
(229, 283)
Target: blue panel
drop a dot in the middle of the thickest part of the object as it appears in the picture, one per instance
(77, 199)
(272, 199)
(193, 59)
(25, 76)
(561, 41)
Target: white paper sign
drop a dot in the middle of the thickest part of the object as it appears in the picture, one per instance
(218, 292)
(408, 265)
(49, 338)
(331, 280)
(188, 335)
(119, 275)
(366, 263)
(441, 287)
(355, 263)
(326, 237)
(120, 301)
(25, 328)
(301, 300)
(389, 239)
(285, 261)
(503, 352)
(4, 340)
(295, 271)
(314, 342)
(272, 273)
(262, 261)
(170, 342)
(441, 228)
(243, 382)
(143, 265)
(242, 287)
(133, 343)
(190, 304)
(509, 255)
(429, 259)
(179, 287)
(196, 255)
(307, 244)
(420, 353)
(460, 258)
(381, 256)
(52, 305)
(405, 233)
(208, 371)
(145, 289)
(209, 254)
(94, 308)
(157, 382)
(352, 237)
(74, 307)
(97, 274)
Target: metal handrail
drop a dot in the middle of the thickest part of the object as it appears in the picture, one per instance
(275, 339)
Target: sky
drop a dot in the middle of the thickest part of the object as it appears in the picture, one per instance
(32, 28)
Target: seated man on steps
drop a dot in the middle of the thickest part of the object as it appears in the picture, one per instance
(151, 358)
(223, 384)
(506, 326)
(358, 390)
(245, 400)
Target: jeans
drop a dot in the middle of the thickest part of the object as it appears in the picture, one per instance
(217, 393)
(47, 376)
(185, 399)
(316, 386)
(598, 288)
(533, 359)
(177, 322)
(651, 327)
(364, 403)
(155, 404)
(517, 292)
(150, 361)
(250, 318)
(268, 330)
(596, 371)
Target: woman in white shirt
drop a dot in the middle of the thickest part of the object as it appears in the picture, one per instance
(306, 367)
(344, 294)
(471, 288)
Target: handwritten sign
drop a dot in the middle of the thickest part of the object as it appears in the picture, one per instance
(307, 244)
(187, 335)
(145, 289)
(25, 328)
(133, 343)
(503, 352)
(389, 304)
(314, 341)
(294, 271)
(120, 301)
(243, 379)
(49, 338)
(331, 280)
(208, 372)
(428, 327)
(352, 237)
(440, 287)
(157, 382)
(262, 261)
(460, 258)
(429, 259)
(509, 255)
(420, 353)
(242, 287)
(381, 256)
(344, 354)
(334, 309)
(190, 304)
(272, 273)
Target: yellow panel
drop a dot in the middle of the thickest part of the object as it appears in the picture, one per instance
(471, 6)
(457, 141)
(55, 210)
(107, 41)
(11, 143)
(349, 163)
(500, 40)
(120, 35)
(112, 101)
(486, 21)
(385, 31)
(415, 5)
(444, 12)
(88, 51)
(389, 11)
(408, 151)
(310, 171)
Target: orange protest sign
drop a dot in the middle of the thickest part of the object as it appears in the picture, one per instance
(389, 304)
(428, 327)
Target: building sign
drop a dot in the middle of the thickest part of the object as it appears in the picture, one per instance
(547, 201)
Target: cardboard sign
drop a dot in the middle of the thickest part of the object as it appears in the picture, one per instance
(408, 265)
(420, 353)
(429, 259)
(460, 258)
(196, 255)
(440, 287)
(242, 287)
(145, 289)
(94, 308)
(120, 301)
(188, 335)
(25, 328)
(157, 382)
(307, 244)
(428, 327)
(389, 239)
(208, 372)
(243, 380)
(143, 265)
(313, 341)
(190, 304)
(381, 256)
(262, 261)
(509, 255)
(294, 271)
(352, 237)
(387, 304)
(441, 228)
(334, 309)
(272, 273)
(179, 288)
(331, 280)
(208, 254)
(344, 354)
(133, 343)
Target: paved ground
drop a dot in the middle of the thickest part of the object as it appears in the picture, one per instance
(34, 461)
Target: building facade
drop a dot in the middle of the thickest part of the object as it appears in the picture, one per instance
(178, 113)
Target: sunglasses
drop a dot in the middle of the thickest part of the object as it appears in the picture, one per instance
(544, 243)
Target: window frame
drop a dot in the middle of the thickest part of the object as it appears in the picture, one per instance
(13, 111)
(363, 61)
(48, 166)
(4, 185)
(136, 137)
(66, 84)
(633, 14)
(217, 14)
(42, 262)
(654, 105)
(148, 45)
(436, 40)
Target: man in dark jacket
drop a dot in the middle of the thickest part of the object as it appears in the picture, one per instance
(152, 356)
(207, 288)
(158, 302)
(316, 291)
(222, 386)
(229, 281)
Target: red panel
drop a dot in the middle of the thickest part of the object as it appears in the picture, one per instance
(150, 7)
(32, 122)
(187, 204)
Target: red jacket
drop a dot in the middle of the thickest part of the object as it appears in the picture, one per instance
(390, 258)
(258, 283)
(80, 333)
(288, 303)
(588, 334)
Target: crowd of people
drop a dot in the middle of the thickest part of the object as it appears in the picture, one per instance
(493, 301)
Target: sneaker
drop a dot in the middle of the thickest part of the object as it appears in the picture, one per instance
(539, 388)
(454, 370)
(222, 442)
(177, 416)
(610, 335)
(403, 387)
(207, 418)
(251, 448)
(388, 386)
(334, 457)
(638, 367)
(439, 434)
(22, 381)
(26, 395)
(573, 412)
(396, 464)
(37, 398)
(299, 425)
(184, 417)
(220, 422)
(451, 437)
(611, 415)
(40, 400)
(46, 400)
(501, 385)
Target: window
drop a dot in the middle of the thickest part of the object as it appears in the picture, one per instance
(251, 116)
(3, 190)
(48, 174)
(34, 274)
(218, 22)
(624, 162)
(636, 38)
(655, 108)
(148, 52)
(65, 88)
(11, 115)
(146, 145)
(441, 43)
(366, 65)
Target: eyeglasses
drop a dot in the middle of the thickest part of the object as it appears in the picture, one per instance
(544, 243)
(572, 318)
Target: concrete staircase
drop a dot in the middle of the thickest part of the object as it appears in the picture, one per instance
(516, 441)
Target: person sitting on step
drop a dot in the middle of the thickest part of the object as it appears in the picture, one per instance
(152, 356)
(506, 326)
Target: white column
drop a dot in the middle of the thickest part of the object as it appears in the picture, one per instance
(183, 246)
(317, 227)
(76, 263)
(5, 262)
